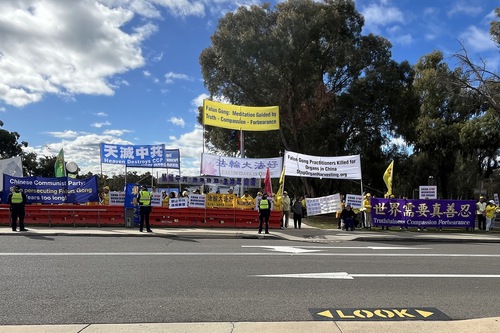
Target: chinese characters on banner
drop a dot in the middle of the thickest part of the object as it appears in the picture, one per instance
(423, 213)
(151, 156)
(206, 180)
(224, 166)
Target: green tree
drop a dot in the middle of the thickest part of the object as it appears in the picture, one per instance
(445, 110)
(337, 90)
(9, 145)
(45, 166)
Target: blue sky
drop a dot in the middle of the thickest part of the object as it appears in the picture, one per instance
(76, 73)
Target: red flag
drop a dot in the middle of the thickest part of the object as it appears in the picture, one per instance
(267, 183)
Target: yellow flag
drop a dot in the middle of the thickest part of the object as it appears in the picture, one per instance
(279, 195)
(388, 178)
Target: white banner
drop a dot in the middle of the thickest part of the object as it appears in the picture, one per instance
(341, 167)
(356, 201)
(197, 200)
(156, 199)
(116, 198)
(12, 167)
(178, 203)
(223, 166)
(427, 192)
(323, 205)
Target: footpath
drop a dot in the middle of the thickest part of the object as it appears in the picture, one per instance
(305, 234)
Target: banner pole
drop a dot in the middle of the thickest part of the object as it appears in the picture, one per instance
(242, 154)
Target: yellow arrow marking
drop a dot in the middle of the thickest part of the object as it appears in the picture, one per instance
(424, 314)
(326, 313)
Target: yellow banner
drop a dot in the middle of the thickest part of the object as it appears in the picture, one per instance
(246, 118)
(220, 200)
(244, 203)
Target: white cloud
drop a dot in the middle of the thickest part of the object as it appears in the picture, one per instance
(116, 132)
(101, 114)
(171, 76)
(68, 47)
(99, 125)
(198, 101)
(2, 109)
(68, 134)
(467, 9)
(177, 121)
(377, 16)
(477, 39)
(406, 39)
(191, 147)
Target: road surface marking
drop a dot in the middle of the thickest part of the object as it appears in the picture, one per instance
(250, 254)
(348, 276)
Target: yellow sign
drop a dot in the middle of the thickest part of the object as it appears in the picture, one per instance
(382, 314)
(215, 200)
(247, 118)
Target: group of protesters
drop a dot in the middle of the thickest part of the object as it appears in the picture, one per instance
(347, 217)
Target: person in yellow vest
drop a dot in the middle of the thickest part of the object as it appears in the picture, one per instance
(17, 201)
(144, 200)
(164, 199)
(367, 205)
(489, 212)
(264, 212)
(104, 196)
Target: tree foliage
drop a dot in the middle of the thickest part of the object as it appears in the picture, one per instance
(9, 145)
(338, 91)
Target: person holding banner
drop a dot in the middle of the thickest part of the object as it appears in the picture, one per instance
(144, 199)
(264, 212)
(17, 201)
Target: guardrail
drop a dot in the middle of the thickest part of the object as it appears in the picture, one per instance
(107, 216)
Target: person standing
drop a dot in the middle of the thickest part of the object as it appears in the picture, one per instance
(144, 199)
(480, 212)
(489, 213)
(264, 212)
(285, 204)
(104, 196)
(297, 213)
(17, 202)
(367, 205)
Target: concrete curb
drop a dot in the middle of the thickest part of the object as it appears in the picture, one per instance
(484, 325)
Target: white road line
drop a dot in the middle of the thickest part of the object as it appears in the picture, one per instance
(347, 276)
(341, 247)
(250, 254)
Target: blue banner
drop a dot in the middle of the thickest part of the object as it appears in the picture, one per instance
(423, 213)
(53, 190)
(173, 158)
(131, 192)
(147, 156)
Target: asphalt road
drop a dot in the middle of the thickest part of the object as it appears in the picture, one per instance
(69, 280)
